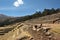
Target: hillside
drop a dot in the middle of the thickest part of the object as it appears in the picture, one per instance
(37, 26)
(3, 17)
(26, 31)
(54, 18)
(33, 29)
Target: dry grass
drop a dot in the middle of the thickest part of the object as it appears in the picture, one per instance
(55, 28)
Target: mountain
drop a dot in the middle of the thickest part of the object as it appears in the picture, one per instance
(3, 17)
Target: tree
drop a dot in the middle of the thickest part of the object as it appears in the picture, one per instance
(46, 12)
(37, 14)
(57, 10)
(52, 11)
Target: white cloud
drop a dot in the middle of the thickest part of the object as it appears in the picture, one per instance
(18, 3)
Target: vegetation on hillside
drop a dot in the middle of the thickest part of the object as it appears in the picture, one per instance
(35, 15)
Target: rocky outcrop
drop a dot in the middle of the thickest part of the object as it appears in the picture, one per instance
(40, 32)
(29, 32)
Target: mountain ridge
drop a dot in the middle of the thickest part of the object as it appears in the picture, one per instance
(46, 19)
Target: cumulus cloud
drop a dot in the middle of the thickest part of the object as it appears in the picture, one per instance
(18, 3)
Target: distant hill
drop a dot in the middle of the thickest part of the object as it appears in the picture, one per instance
(7, 20)
(3, 17)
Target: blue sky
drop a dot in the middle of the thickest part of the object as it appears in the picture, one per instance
(26, 7)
